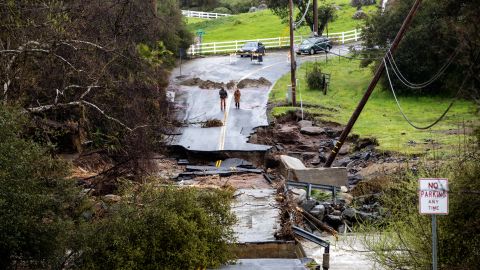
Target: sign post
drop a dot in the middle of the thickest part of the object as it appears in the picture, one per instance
(433, 197)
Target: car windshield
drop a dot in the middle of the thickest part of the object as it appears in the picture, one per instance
(308, 42)
(250, 45)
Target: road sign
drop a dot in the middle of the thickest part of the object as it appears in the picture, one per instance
(433, 196)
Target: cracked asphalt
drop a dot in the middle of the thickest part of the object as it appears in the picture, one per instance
(198, 105)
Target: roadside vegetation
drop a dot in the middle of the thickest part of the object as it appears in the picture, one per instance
(380, 117)
(402, 240)
(265, 24)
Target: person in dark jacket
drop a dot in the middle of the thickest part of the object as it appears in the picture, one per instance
(223, 96)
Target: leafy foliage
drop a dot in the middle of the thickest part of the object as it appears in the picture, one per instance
(162, 228)
(37, 203)
(315, 80)
(404, 240)
(439, 29)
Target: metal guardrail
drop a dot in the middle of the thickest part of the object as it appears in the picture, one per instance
(270, 43)
(204, 15)
(309, 187)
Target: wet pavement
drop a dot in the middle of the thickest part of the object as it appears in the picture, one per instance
(199, 105)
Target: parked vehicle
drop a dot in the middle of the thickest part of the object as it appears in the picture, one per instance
(313, 45)
(251, 47)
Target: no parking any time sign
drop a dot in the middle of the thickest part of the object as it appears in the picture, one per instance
(433, 196)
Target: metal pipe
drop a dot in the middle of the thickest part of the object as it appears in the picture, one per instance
(371, 86)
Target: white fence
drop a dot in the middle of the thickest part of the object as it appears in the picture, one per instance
(278, 42)
(200, 14)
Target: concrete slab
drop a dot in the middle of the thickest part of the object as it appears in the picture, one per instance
(335, 176)
(257, 215)
(266, 264)
(294, 169)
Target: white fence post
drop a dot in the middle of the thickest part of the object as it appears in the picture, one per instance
(343, 37)
(214, 48)
(356, 35)
(236, 45)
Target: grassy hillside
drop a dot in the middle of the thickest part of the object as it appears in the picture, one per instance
(380, 117)
(264, 24)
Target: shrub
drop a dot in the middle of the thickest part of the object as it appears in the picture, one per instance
(223, 10)
(37, 203)
(315, 79)
(162, 228)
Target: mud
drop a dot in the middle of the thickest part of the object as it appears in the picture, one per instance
(245, 83)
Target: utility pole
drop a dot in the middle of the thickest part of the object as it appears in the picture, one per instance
(315, 17)
(293, 62)
(371, 86)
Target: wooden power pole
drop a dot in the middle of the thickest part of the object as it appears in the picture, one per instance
(371, 86)
(293, 63)
(315, 17)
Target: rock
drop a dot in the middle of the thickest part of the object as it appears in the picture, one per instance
(315, 162)
(336, 213)
(334, 221)
(354, 179)
(342, 229)
(87, 215)
(262, 6)
(346, 198)
(344, 150)
(287, 135)
(322, 157)
(307, 205)
(312, 130)
(308, 155)
(304, 123)
(349, 214)
(364, 142)
(318, 211)
(111, 198)
(363, 216)
(326, 144)
(299, 195)
(333, 133)
(359, 15)
(342, 162)
(253, 9)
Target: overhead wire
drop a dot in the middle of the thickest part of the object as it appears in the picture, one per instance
(409, 84)
(295, 24)
(403, 113)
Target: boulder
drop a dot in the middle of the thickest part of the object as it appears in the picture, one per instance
(299, 195)
(304, 123)
(359, 15)
(334, 221)
(287, 135)
(111, 198)
(312, 130)
(318, 211)
(253, 9)
(262, 7)
(349, 214)
(308, 155)
(307, 205)
(345, 149)
(346, 198)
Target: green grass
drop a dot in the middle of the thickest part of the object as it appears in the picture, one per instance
(380, 117)
(190, 20)
(264, 24)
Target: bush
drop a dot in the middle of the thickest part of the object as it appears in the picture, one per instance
(403, 240)
(315, 79)
(223, 10)
(37, 203)
(162, 228)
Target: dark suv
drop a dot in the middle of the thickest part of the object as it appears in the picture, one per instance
(251, 47)
(314, 44)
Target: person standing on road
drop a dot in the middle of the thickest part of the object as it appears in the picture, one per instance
(223, 96)
(237, 95)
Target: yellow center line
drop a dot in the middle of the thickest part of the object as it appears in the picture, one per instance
(223, 131)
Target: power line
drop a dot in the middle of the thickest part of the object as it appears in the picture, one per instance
(405, 116)
(303, 17)
(352, 58)
(409, 84)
